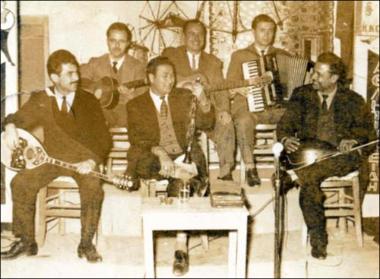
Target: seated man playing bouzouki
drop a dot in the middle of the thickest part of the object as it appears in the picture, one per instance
(75, 132)
(118, 65)
(159, 122)
(325, 111)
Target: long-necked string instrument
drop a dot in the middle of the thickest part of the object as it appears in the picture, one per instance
(309, 155)
(30, 154)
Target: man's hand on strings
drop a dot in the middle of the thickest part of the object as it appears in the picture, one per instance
(126, 93)
(346, 145)
(85, 167)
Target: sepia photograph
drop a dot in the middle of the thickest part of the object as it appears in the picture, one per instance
(190, 139)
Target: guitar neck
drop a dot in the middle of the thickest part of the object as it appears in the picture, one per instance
(227, 85)
(69, 166)
(135, 83)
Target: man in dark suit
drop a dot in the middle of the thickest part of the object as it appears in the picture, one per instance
(191, 61)
(119, 65)
(158, 125)
(325, 111)
(75, 132)
(264, 32)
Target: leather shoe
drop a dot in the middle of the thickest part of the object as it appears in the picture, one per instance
(319, 252)
(181, 263)
(227, 177)
(252, 177)
(89, 251)
(19, 248)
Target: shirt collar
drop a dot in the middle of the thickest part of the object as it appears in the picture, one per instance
(330, 97)
(258, 50)
(59, 97)
(119, 62)
(157, 99)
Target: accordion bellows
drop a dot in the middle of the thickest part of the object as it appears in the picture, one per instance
(289, 72)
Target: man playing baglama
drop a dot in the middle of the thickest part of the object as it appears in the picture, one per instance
(325, 113)
(158, 124)
(74, 131)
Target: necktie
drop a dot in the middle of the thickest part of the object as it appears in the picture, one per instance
(262, 53)
(114, 67)
(324, 103)
(163, 108)
(194, 63)
(64, 105)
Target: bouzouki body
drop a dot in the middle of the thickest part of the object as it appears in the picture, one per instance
(30, 154)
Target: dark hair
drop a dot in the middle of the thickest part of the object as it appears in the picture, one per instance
(336, 65)
(59, 57)
(120, 27)
(153, 64)
(194, 21)
(263, 18)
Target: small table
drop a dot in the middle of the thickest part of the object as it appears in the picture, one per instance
(196, 214)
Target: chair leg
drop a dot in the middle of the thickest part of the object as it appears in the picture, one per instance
(342, 220)
(242, 172)
(204, 239)
(41, 227)
(357, 210)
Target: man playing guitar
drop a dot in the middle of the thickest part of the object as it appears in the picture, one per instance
(325, 111)
(118, 65)
(75, 132)
(192, 62)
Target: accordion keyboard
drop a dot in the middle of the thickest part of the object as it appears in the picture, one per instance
(255, 94)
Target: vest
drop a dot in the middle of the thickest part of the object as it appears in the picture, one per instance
(326, 126)
(168, 138)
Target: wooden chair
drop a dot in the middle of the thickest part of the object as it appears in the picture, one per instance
(265, 136)
(52, 204)
(339, 204)
(117, 158)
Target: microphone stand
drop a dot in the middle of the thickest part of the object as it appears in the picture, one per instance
(279, 210)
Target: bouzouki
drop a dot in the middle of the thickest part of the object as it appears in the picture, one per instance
(30, 154)
(312, 152)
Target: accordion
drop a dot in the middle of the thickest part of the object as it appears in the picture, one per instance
(289, 72)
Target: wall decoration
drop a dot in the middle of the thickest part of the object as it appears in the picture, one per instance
(367, 23)
(305, 27)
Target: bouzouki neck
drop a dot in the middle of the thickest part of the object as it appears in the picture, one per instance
(69, 166)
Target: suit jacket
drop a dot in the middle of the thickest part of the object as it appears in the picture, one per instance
(351, 115)
(209, 66)
(131, 69)
(92, 141)
(143, 127)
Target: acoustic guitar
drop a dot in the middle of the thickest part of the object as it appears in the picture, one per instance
(30, 154)
(110, 93)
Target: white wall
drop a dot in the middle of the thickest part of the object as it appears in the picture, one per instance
(80, 26)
